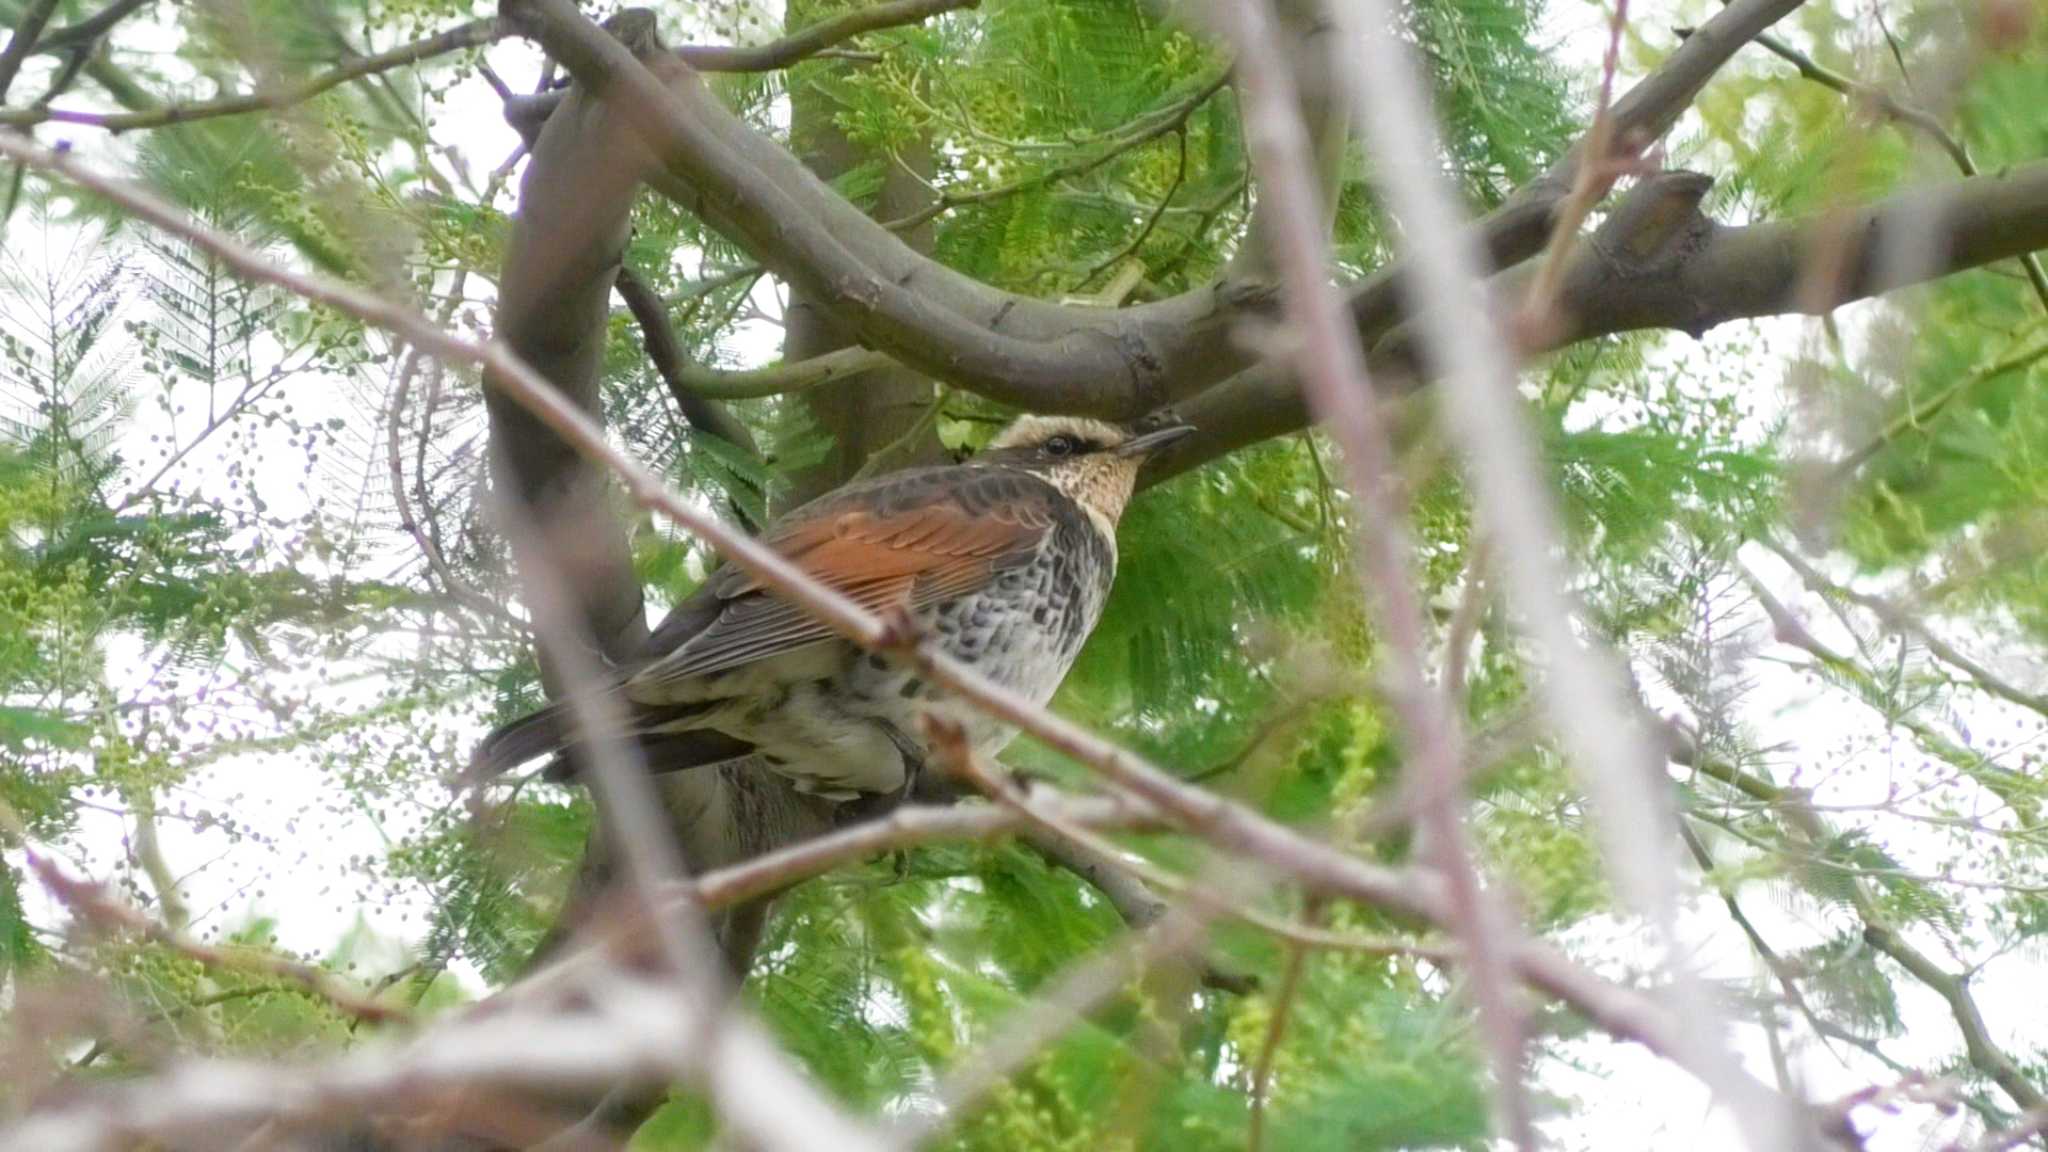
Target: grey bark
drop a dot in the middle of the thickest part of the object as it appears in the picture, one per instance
(881, 407)
(1031, 353)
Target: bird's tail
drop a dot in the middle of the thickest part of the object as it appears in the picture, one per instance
(510, 745)
(552, 732)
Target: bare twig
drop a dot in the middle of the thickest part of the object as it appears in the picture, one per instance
(1281, 1012)
(1596, 174)
(462, 36)
(87, 32)
(950, 749)
(817, 38)
(1898, 112)
(1899, 619)
(1332, 365)
(92, 904)
(702, 411)
(27, 31)
(1983, 1052)
(903, 828)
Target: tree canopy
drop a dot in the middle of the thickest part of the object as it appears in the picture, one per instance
(1393, 858)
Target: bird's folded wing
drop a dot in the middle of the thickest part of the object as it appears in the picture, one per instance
(878, 546)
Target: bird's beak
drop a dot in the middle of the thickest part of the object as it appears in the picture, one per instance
(1154, 440)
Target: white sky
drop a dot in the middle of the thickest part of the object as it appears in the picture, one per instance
(305, 880)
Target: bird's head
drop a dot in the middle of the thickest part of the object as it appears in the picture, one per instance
(1093, 462)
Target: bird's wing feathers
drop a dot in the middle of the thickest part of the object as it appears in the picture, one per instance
(918, 537)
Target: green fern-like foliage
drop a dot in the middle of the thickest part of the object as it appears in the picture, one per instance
(213, 560)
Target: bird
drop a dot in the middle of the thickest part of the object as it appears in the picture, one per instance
(1004, 561)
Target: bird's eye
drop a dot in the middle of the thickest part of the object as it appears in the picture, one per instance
(1061, 446)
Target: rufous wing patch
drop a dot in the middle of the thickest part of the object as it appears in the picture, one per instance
(931, 551)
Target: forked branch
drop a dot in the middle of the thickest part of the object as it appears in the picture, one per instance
(1230, 827)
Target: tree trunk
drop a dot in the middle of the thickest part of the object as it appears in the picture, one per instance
(880, 410)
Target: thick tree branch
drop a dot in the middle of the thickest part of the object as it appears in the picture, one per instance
(553, 303)
(1518, 228)
(1015, 349)
(1012, 348)
(1667, 266)
(1656, 263)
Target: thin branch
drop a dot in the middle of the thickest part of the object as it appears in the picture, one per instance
(817, 38)
(771, 1103)
(1101, 858)
(1281, 1012)
(1520, 226)
(1464, 626)
(2031, 1124)
(452, 583)
(610, 1025)
(1982, 1051)
(903, 828)
(1180, 175)
(1587, 695)
(1918, 414)
(1900, 620)
(1332, 365)
(458, 38)
(837, 366)
(86, 33)
(1781, 970)
(703, 413)
(1883, 103)
(1596, 174)
(27, 30)
(1135, 902)
(1816, 859)
(91, 904)
(1140, 132)
(1026, 1032)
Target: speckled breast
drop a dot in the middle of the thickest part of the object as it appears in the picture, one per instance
(1023, 631)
